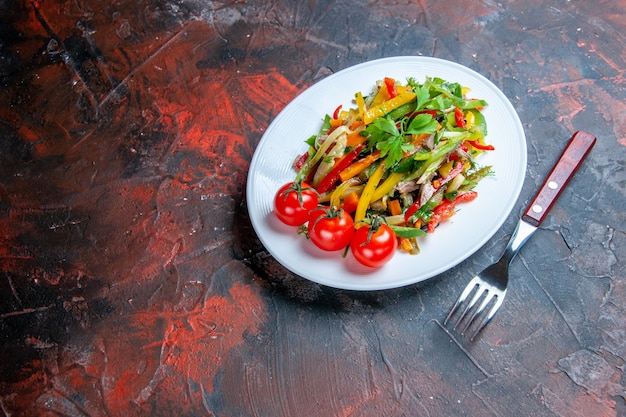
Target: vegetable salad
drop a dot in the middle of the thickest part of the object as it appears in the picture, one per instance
(403, 157)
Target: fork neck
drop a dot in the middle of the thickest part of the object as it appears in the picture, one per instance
(521, 234)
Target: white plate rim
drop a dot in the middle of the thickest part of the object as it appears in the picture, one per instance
(470, 228)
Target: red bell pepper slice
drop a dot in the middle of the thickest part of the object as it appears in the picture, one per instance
(476, 144)
(465, 197)
(443, 211)
(411, 211)
(391, 87)
(336, 112)
(459, 118)
(299, 163)
(446, 209)
(333, 176)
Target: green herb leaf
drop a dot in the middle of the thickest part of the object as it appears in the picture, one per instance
(422, 123)
(391, 149)
(386, 124)
(385, 136)
(423, 96)
(406, 166)
(325, 125)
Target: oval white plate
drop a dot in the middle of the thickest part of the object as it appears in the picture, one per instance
(454, 240)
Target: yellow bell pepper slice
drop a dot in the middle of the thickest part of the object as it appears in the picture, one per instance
(382, 109)
(386, 186)
(360, 103)
(366, 196)
(381, 96)
(338, 193)
(470, 120)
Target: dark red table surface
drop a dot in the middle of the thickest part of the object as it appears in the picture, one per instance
(132, 282)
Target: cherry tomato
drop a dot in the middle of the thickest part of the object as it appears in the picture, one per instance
(293, 203)
(330, 229)
(374, 245)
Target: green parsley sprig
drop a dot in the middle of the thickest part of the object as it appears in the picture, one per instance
(393, 138)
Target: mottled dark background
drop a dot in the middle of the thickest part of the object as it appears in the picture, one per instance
(132, 283)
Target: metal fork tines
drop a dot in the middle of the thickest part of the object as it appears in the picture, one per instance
(490, 289)
(489, 286)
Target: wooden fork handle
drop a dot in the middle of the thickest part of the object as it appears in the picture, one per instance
(568, 163)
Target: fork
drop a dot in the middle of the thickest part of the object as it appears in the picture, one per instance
(489, 286)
